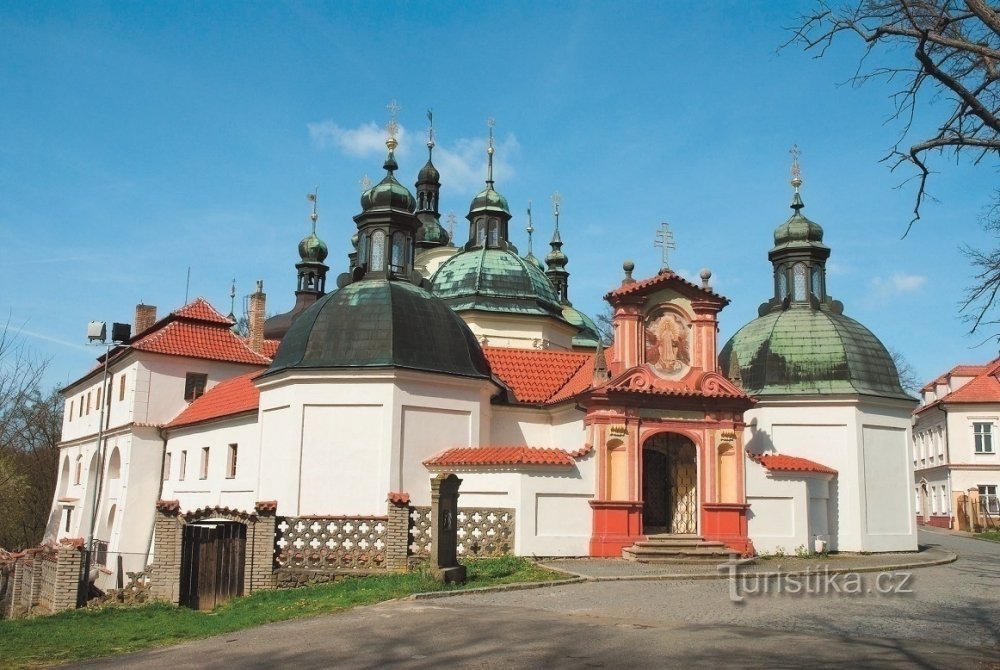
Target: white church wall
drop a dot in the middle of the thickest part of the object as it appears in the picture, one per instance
(79, 422)
(160, 382)
(520, 332)
(220, 486)
(779, 514)
(559, 428)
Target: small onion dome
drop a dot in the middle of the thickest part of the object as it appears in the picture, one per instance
(428, 174)
(312, 249)
(389, 193)
(588, 335)
(798, 229)
(556, 259)
(381, 323)
(489, 200)
(495, 280)
(432, 232)
(810, 352)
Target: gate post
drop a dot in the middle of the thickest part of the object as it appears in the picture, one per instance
(444, 539)
(397, 541)
(260, 561)
(165, 573)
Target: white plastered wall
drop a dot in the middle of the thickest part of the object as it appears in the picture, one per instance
(520, 332)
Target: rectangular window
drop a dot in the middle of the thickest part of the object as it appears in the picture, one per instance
(70, 410)
(98, 404)
(988, 498)
(184, 465)
(194, 385)
(166, 466)
(79, 471)
(121, 387)
(204, 463)
(88, 402)
(69, 517)
(80, 411)
(934, 500)
(983, 433)
(231, 462)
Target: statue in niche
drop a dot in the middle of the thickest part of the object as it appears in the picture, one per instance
(668, 344)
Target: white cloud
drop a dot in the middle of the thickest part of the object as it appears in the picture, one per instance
(897, 284)
(364, 141)
(462, 162)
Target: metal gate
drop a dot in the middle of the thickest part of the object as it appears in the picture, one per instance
(212, 560)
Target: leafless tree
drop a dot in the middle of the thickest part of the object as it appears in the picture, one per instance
(907, 374)
(953, 74)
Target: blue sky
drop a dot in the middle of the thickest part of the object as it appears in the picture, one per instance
(140, 139)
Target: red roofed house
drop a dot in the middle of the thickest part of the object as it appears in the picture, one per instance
(954, 442)
(479, 366)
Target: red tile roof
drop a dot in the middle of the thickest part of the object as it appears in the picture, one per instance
(233, 396)
(501, 456)
(198, 340)
(199, 309)
(658, 279)
(540, 377)
(270, 348)
(782, 463)
(984, 388)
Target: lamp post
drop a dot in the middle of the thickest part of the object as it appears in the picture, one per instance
(97, 333)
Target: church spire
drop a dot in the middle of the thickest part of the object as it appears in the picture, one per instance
(312, 253)
(799, 255)
(556, 260)
(489, 214)
(530, 229)
(431, 233)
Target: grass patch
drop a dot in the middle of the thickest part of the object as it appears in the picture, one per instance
(81, 634)
(991, 535)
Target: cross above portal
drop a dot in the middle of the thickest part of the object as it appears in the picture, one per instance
(665, 241)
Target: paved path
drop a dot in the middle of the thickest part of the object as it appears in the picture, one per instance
(950, 620)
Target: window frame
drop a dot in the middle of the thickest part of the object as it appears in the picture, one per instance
(982, 439)
(195, 385)
(232, 457)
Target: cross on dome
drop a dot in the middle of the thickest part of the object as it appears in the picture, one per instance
(665, 241)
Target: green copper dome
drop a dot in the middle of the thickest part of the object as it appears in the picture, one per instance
(588, 335)
(380, 323)
(312, 249)
(797, 230)
(803, 351)
(489, 200)
(495, 280)
(388, 193)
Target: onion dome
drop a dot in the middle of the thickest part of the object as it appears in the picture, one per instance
(432, 234)
(378, 323)
(488, 200)
(798, 230)
(312, 249)
(428, 173)
(389, 194)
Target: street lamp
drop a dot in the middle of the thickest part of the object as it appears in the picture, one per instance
(97, 334)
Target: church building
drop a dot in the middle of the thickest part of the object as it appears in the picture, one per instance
(429, 358)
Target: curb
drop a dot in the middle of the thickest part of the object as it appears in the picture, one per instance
(579, 578)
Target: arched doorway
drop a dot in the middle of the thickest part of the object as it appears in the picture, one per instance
(669, 485)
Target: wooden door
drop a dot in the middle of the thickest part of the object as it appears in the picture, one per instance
(212, 560)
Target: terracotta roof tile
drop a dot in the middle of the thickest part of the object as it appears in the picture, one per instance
(538, 376)
(783, 463)
(984, 388)
(471, 456)
(656, 280)
(199, 309)
(270, 348)
(233, 396)
(198, 340)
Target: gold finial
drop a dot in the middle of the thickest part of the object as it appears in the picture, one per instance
(796, 168)
(556, 201)
(392, 128)
(365, 183)
(665, 241)
(313, 197)
(430, 129)
(490, 122)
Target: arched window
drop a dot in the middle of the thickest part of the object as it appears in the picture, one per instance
(398, 252)
(799, 282)
(782, 284)
(494, 232)
(481, 232)
(378, 251)
(64, 477)
(115, 465)
(817, 283)
(362, 249)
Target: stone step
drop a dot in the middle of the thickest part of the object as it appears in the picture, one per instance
(676, 548)
(680, 551)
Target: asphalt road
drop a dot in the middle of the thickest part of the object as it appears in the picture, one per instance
(950, 618)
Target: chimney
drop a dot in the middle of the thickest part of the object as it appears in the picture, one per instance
(145, 317)
(256, 318)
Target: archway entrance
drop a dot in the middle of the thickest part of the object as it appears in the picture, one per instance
(669, 485)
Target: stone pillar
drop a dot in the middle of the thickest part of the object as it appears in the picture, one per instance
(69, 562)
(35, 594)
(444, 537)
(165, 573)
(259, 574)
(17, 588)
(397, 535)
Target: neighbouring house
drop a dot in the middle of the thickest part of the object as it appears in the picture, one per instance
(430, 358)
(954, 448)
